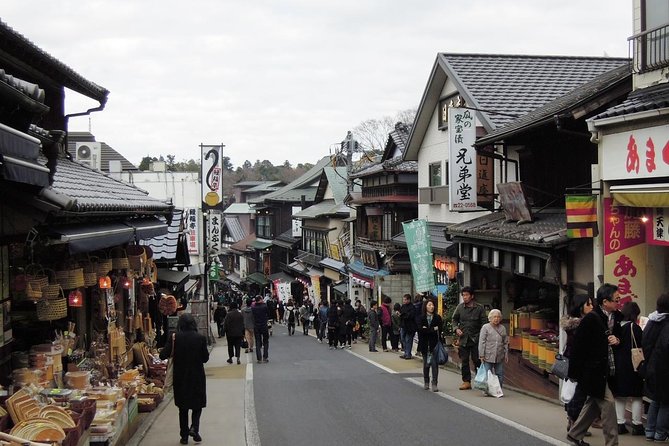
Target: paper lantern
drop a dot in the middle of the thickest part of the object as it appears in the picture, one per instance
(104, 282)
(75, 299)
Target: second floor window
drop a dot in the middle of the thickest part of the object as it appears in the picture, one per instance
(314, 242)
(435, 174)
(264, 226)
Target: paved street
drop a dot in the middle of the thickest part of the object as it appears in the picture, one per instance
(308, 394)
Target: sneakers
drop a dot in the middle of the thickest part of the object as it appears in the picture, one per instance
(426, 386)
(434, 387)
(465, 385)
(637, 429)
(622, 430)
(246, 351)
(238, 361)
(183, 441)
(349, 347)
(229, 361)
(576, 442)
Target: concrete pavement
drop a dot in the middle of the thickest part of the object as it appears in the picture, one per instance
(225, 420)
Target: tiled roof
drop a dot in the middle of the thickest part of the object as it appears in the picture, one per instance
(243, 245)
(164, 247)
(337, 181)
(235, 228)
(392, 165)
(239, 208)
(95, 192)
(517, 84)
(643, 99)
(33, 91)
(19, 47)
(324, 208)
(107, 152)
(264, 186)
(621, 75)
(287, 236)
(549, 228)
(397, 140)
(391, 160)
(437, 239)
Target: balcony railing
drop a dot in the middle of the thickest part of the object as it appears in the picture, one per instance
(650, 49)
(433, 195)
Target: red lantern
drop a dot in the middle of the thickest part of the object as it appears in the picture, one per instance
(75, 299)
(104, 282)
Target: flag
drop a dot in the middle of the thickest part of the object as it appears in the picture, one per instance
(420, 252)
(581, 216)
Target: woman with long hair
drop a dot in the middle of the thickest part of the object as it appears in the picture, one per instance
(430, 329)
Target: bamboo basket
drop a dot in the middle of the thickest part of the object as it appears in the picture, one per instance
(52, 290)
(36, 276)
(119, 258)
(91, 271)
(136, 257)
(104, 266)
(70, 278)
(31, 293)
(52, 309)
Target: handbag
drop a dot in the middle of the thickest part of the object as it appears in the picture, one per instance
(169, 374)
(561, 366)
(567, 391)
(245, 343)
(481, 379)
(494, 387)
(440, 354)
(637, 353)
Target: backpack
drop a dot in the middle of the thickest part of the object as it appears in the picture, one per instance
(291, 316)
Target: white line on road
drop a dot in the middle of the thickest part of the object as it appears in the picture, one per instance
(382, 367)
(250, 421)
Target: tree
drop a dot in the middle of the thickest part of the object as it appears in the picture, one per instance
(145, 164)
(170, 162)
(372, 134)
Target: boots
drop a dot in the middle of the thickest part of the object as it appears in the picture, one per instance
(426, 386)
(434, 387)
(466, 385)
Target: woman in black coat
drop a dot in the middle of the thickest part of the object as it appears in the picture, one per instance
(656, 368)
(429, 334)
(627, 383)
(234, 332)
(190, 391)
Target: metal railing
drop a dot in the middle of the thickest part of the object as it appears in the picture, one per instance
(650, 49)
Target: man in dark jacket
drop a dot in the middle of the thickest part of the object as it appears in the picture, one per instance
(373, 318)
(260, 318)
(407, 325)
(219, 317)
(233, 326)
(591, 364)
(349, 320)
(468, 317)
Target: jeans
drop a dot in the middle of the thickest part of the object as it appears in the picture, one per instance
(291, 328)
(497, 368)
(373, 334)
(407, 340)
(322, 328)
(221, 331)
(657, 421)
(234, 346)
(333, 336)
(465, 353)
(385, 333)
(183, 421)
(262, 340)
(394, 340)
(432, 364)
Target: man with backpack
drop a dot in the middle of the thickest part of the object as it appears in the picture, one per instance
(290, 316)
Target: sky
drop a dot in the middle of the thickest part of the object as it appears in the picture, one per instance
(284, 79)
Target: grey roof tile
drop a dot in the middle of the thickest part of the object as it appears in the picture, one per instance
(107, 153)
(643, 99)
(164, 247)
(235, 228)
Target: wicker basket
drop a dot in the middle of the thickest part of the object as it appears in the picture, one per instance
(52, 290)
(36, 276)
(70, 278)
(90, 267)
(136, 257)
(51, 309)
(119, 258)
(31, 293)
(104, 266)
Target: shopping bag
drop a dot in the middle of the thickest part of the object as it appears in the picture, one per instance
(169, 374)
(567, 391)
(494, 387)
(481, 379)
(439, 354)
(561, 366)
(245, 343)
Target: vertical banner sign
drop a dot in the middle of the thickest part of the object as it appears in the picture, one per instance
(214, 230)
(624, 251)
(656, 228)
(193, 227)
(420, 253)
(581, 216)
(297, 223)
(316, 285)
(461, 159)
(211, 176)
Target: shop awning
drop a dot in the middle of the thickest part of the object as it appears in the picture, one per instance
(257, 278)
(284, 244)
(19, 154)
(260, 244)
(148, 228)
(333, 264)
(234, 278)
(281, 277)
(87, 238)
(304, 269)
(643, 195)
(172, 276)
(341, 288)
(437, 237)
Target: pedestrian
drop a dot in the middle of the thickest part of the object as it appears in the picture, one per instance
(468, 317)
(304, 317)
(249, 325)
(418, 307)
(219, 317)
(323, 320)
(407, 325)
(272, 312)
(280, 308)
(333, 326)
(395, 328)
(349, 321)
(373, 318)
(582, 304)
(656, 369)
(592, 364)
(361, 318)
(190, 384)
(290, 316)
(386, 322)
(234, 332)
(494, 345)
(260, 330)
(430, 329)
(627, 383)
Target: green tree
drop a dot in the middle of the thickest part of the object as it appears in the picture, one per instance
(145, 164)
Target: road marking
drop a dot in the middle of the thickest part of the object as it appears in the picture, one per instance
(250, 421)
(494, 416)
(374, 363)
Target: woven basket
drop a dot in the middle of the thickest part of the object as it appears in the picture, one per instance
(119, 258)
(51, 309)
(36, 276)
(52, 290)
(136, 257)
(104, 266)
(70, 278)
(33, 294)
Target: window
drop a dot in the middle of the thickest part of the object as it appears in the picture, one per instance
(435, 174)
(314, 242)
(651, 45)
(264, 226)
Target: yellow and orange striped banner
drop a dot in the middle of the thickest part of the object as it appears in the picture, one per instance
(581, 216)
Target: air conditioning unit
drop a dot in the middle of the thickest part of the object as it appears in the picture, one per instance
(89, 154)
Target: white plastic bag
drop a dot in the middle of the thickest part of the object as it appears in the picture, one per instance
(480, 380)
(494, 387)
(567, 391)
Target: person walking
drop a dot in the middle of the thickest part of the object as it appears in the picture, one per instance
(468, 317)
(373, 318)
(280, 308)
(290, 316)
(323, 318)
(656, 369)
(249, 325)
(407, 325)
(261, 331)
(333, 326)
(219, 317)
(386, 322)
(395, 328)
(627, 384)
(582, 304)
(189, 352)
(430, 330)
(361, 318)
(349, 318)
(494, 345)
(304, 317)
(592, 364)
(234, 332)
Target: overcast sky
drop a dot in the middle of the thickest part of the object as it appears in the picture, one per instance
(284, 79)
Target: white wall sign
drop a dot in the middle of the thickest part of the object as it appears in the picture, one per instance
(193, 230)
(214, 231)
(297, 223)
(641, 153)
(461, 159)
(211, 173)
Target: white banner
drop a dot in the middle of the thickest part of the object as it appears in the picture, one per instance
(461, 159)
(297, 222)
(192, 226)
(211, 176)
(214, 231)
(641, 153)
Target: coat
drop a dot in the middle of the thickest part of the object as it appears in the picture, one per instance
(234, 324)
(260, 317)
(247, 313)
(469, 320)
(190, 383)
(408, 318)
(656, 352)
(429, 334)
(373, 317)
(626, 381)
(569, 325)
(386, 312)
(493, 343)
(588, 361)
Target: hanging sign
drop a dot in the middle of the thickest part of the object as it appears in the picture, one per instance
(461, 159)
(214, 231)
(420, 253)
(193, 229)
(656, 228)
(296, 223)
(211, 174)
